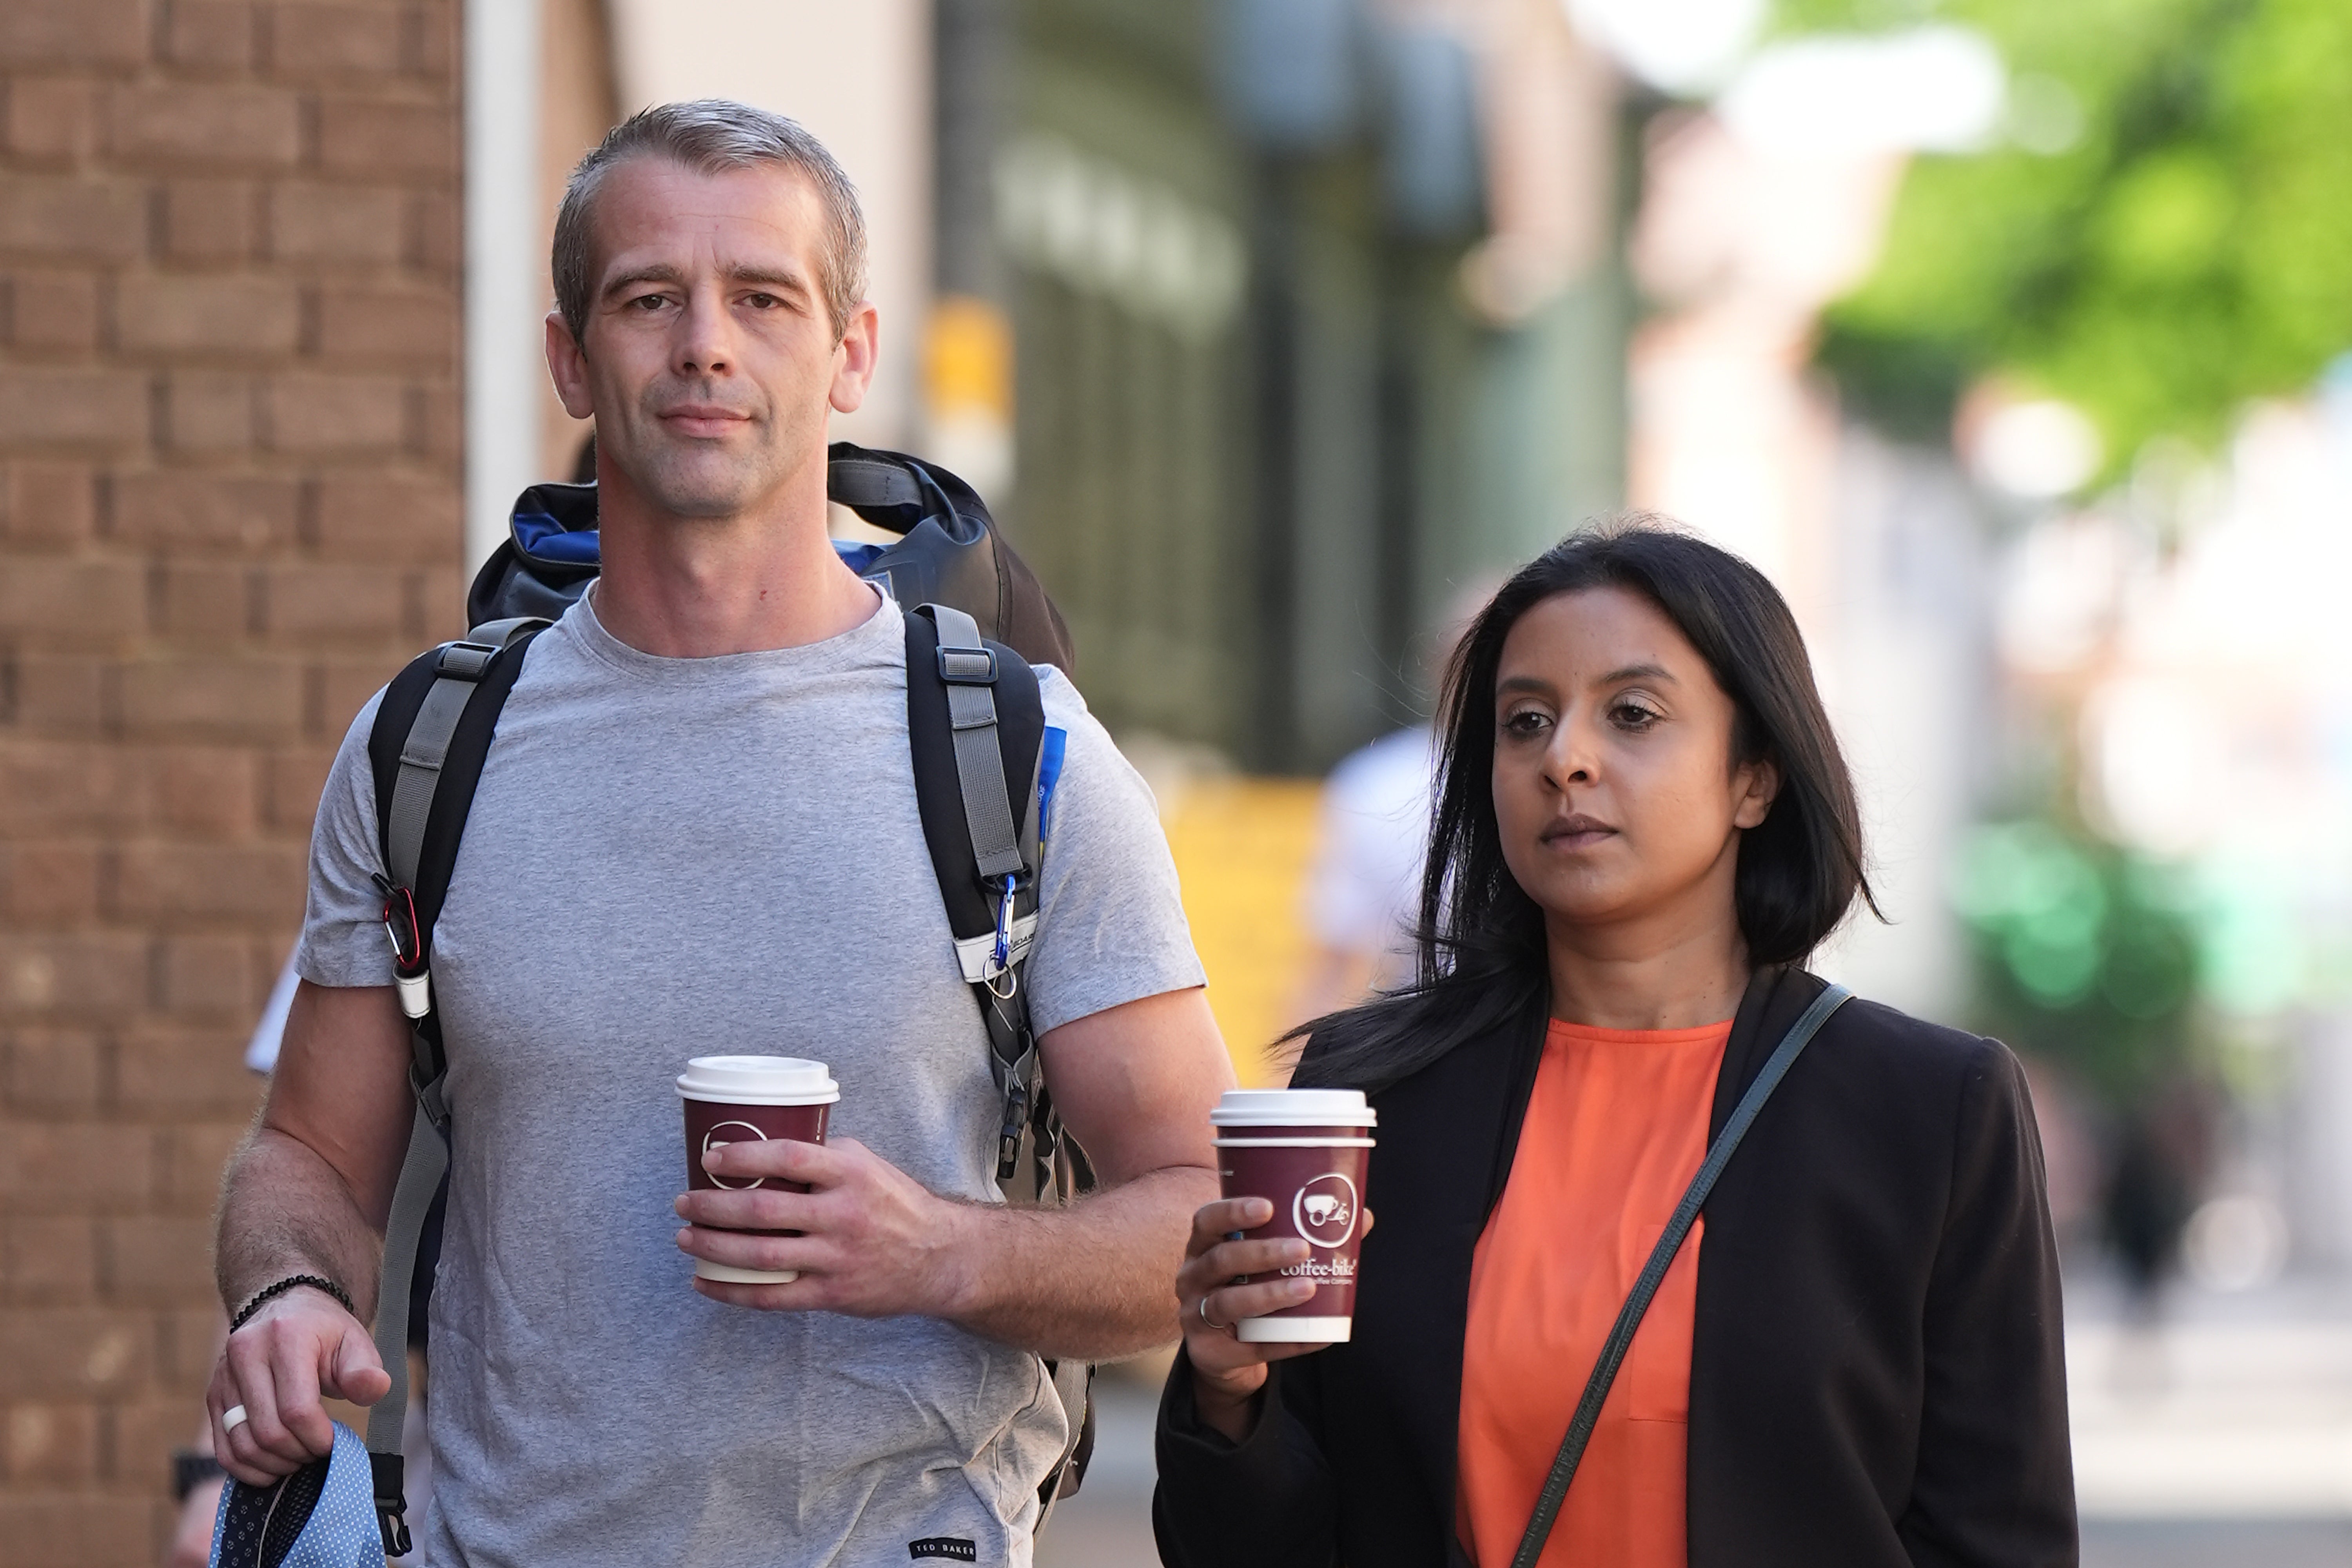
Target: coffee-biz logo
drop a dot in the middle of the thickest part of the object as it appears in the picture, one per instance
(747, 1135)
(1324, 1211)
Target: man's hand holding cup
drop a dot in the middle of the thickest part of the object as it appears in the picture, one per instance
(782, 1219)
(834, 1226)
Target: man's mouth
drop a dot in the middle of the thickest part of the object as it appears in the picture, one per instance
(704, 419)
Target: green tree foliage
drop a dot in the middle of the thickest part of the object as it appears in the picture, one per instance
(2085, 954)
(2164, 232)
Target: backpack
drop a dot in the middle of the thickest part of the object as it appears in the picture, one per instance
(985, 766)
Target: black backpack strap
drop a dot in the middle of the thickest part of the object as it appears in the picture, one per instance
(976, 726)
(431, 734)
(976, 730)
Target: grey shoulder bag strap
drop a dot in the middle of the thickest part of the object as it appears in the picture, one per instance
(1654, 1273)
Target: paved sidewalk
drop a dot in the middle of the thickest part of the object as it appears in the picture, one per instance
(1108, 1524)
(2228, 1407)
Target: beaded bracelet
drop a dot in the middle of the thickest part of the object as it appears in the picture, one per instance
(268, 1293)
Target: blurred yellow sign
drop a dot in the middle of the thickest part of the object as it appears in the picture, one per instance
(1241, 847)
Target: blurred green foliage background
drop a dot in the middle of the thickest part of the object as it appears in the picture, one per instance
(2165, 232)
(2087, 954)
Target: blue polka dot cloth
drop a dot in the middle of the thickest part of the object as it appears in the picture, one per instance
(321, 1516)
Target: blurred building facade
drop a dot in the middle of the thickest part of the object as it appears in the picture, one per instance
(1317, 315)
(229, 424)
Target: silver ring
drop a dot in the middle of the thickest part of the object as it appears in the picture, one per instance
(1201, 1307)
(232, 1418)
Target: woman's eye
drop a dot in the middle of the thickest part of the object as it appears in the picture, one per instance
(1632, 716)
(1526, 722)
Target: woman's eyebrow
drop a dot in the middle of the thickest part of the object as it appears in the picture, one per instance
(1639, 672)
(1521, 683)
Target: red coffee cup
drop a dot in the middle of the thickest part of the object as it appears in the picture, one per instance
(747, 1100)
(1305, 1151)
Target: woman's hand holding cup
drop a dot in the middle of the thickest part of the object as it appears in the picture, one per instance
(1226, 1373)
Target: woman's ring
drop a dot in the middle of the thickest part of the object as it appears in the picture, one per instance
(232, 1418)
(1202, 1308)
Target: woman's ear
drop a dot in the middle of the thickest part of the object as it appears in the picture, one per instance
(1758, 784)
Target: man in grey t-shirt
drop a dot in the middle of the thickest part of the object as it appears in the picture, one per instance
(698, 834)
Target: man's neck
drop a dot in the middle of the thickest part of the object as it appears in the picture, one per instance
(696, 587)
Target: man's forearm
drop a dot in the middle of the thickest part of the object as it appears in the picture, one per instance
(284, 1211)
(1096, 1280)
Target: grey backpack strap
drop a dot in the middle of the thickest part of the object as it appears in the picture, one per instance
(429, 764)
(969, 668)
(1654, 1273)
(420, 1178)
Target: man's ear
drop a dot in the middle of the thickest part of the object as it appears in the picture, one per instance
(853, 370)
(567, 364)
(1760, 785)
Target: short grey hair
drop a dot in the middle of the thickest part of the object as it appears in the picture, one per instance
(712, 136)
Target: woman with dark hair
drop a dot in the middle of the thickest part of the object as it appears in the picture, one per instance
(1643, 827)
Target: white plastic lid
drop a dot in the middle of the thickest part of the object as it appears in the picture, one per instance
(758, 1080)
(1293, 1108)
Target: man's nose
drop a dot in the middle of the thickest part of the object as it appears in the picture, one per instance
(705, 337)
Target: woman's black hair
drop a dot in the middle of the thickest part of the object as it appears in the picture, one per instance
(1479, 940)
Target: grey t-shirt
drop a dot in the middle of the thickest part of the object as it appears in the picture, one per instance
(678, 858)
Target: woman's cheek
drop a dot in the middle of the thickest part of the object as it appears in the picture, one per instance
(1520, 812)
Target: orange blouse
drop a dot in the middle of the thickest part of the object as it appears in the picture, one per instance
(1616, 1127)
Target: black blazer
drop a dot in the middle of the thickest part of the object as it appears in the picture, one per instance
(1878, 1373)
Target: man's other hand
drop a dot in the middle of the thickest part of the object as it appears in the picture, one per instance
(875, 1242)
(298, 1348)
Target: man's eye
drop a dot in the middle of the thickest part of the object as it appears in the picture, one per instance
(649, 302)
(763, 302)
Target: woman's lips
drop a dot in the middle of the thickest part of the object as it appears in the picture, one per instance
(1576, 832)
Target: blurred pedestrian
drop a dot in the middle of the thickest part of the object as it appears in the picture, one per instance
(2158, 1168)
(1366, 875)
(1365, 881)
(1644, 825)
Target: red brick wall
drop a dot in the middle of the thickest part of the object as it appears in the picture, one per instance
(228, 425)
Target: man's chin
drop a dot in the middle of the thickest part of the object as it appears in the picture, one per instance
(693, 490)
